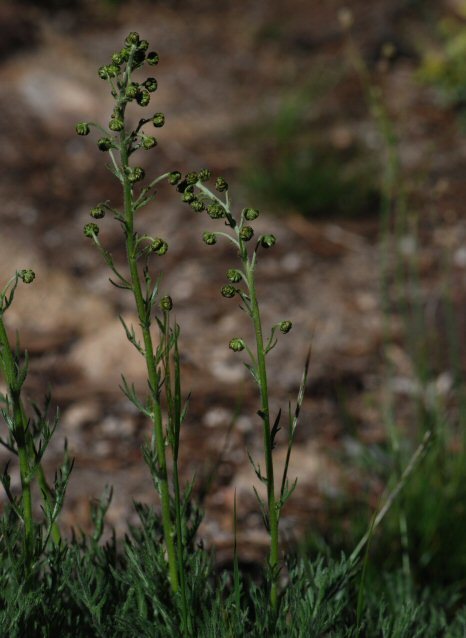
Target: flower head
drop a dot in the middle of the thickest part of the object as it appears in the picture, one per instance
(246, 233)
(27, 275)
(209, 238)
(221, 184)
(91, 230)
(82, 128)
(267, 241)
(285, 326)
(236, 344)
(166, 303)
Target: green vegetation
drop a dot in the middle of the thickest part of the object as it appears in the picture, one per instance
(159, 581)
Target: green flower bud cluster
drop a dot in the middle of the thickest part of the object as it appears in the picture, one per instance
(158, 246)
(27, 275)
(285, 326)
(188, 196)
(132, 39)
(209, 238)
(191, 178)
(234, 275)
(197, 205)
(250, 214)
(150, 85)
(108, 71)
(116, 125)
(174, 177)
(148, 142)
(228, 291)
(98, 212)
(91, 229)
(135, 174)
(131, 91)
(166, 303)
(246, 233)
(236, 345)
(82, 128)
(143, 97)
(152, 58)
(204, 175)
(221, 185)
(105, 144)
(158, 120)
(267, 241)
(215, 211)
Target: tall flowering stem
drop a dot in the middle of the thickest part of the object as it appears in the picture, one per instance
(121, 141)
(242, 284)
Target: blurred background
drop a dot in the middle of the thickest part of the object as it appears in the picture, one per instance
(345, 124)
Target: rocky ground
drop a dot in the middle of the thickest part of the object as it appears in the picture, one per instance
(221, 71)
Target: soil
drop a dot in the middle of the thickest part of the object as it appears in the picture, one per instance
(222, 72)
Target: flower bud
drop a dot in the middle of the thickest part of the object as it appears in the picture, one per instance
(82, 128)
(150, 84)
(143, 45)
(234, 275)
(197, 205)
(246, 233)
(221, 185)
(124, 55)
(136, 174)
(138, 58)
(116, 125)
(159, 246)
(158, 120)
(132, 39)
(285, 326)
(27, 275)
(236, 345)
(132, 91)
(112, 70)
(215, 211)
(209, 238)
(104, 144)
(103, 73)
(152, 58)
(174, 177)
(250, 214)
(149, 142)
(204, 175)
(143, 97)
(228, 291)
(166, 303)
(98, 212)
(91, 229)
(117, 58)
(188, 197)
(191, 178)
(267, 241)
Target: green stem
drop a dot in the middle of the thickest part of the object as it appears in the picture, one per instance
(173, 404)
(20, 434)
(144, 320)
(263, 386)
